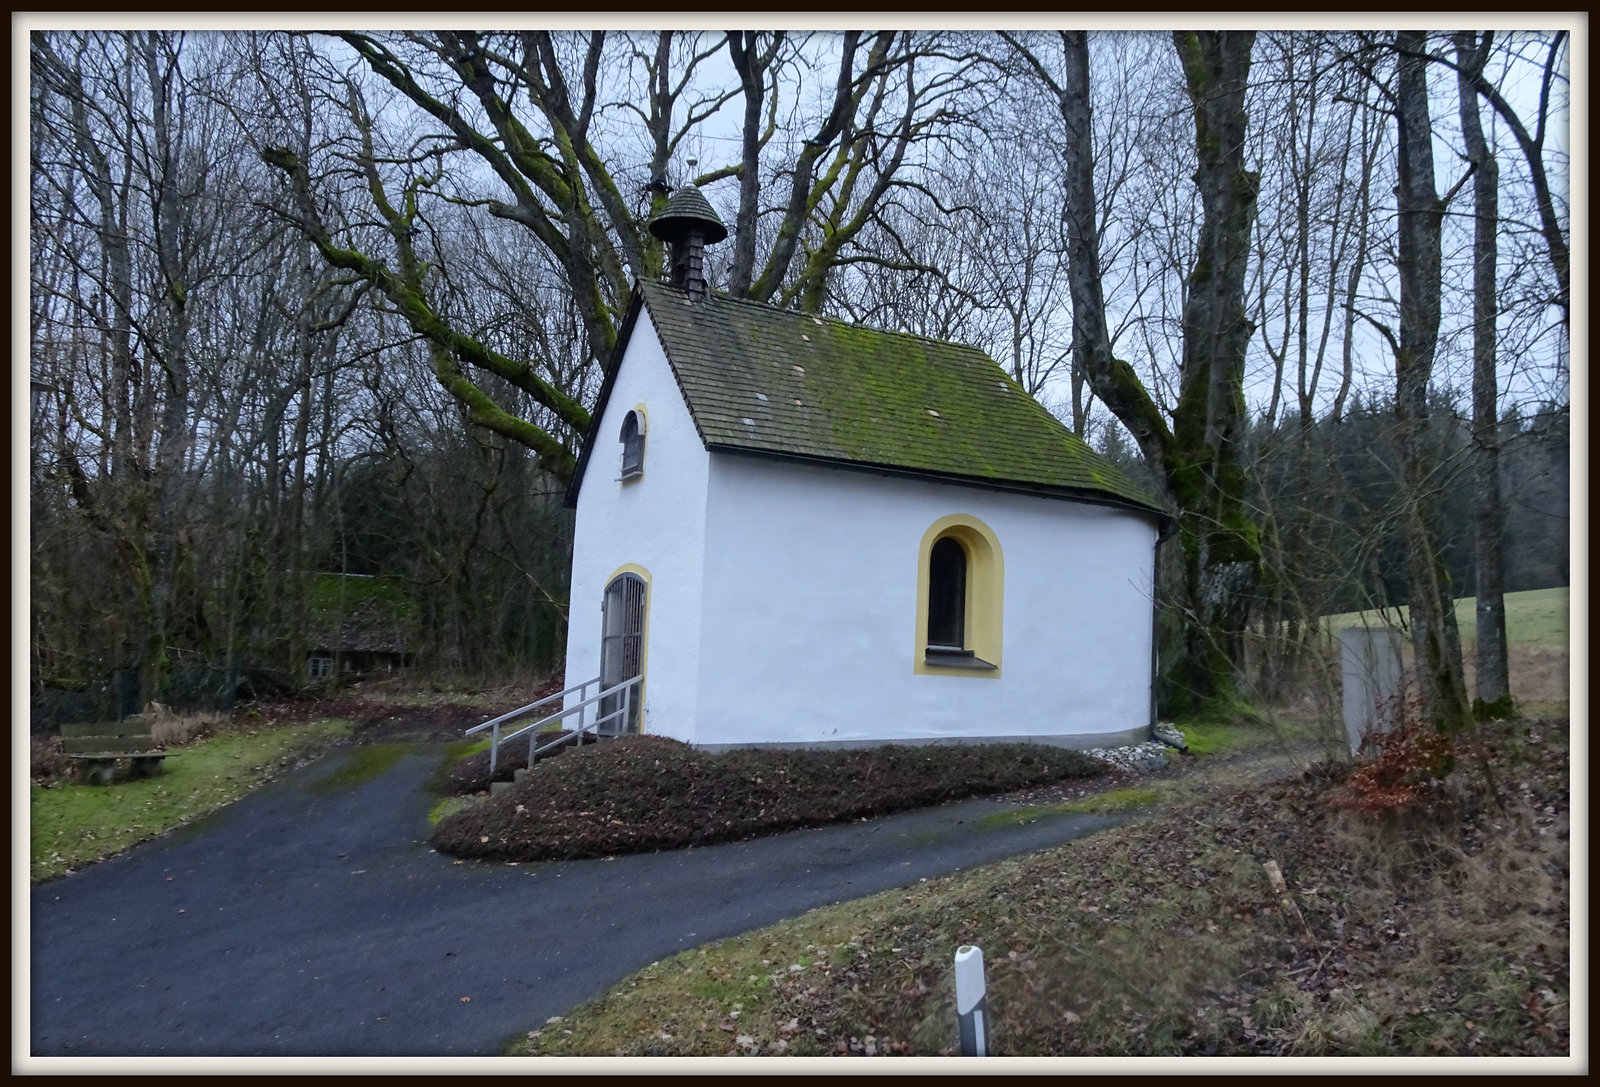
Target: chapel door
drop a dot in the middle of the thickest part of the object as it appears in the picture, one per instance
(622, 651)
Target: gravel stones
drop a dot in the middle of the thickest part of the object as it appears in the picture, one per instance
(1145, 758)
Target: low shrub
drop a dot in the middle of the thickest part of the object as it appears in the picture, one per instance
(645, 793)
(175, 730)
(46, 763)
(1406, 775)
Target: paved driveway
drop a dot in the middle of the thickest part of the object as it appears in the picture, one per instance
(316, 922)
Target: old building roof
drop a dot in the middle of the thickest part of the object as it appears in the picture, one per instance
(763, 380)
(350, 613)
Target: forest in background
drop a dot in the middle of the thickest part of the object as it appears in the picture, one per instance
(340, 303)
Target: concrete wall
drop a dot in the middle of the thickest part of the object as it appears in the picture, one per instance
(656, 522)
(809, 621)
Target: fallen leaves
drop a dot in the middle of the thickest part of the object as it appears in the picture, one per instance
(1094, 946)
(649, 793)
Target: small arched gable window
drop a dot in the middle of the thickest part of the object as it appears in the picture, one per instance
(960, 593)
(632, 438)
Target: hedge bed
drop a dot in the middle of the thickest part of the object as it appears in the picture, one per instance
(647, 793)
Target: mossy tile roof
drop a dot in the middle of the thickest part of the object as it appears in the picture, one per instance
(764, 380)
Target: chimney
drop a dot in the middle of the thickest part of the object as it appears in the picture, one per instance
(688, 224)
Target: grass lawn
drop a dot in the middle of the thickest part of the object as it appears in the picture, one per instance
(1538, 636)
(1216, 737)
(71, 825)
(1536, 619)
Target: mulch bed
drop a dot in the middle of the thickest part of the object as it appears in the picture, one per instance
(646, 793)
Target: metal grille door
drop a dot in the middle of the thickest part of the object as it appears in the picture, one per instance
(621, 648)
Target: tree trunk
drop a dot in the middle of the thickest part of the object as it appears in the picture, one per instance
(1532, 145)
(751, 62)
(1197, 460)
(297, 578)
(1492, 681)
(1218, 534)
(172, 441)
(1434, 636)
(121, 506)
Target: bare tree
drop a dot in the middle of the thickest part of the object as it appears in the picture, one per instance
(192, 369)
(1197, 457)
(389, 373)
(1492, 679)
(1319, 147)
(1421, 212)
(118, 104)
(528, 110)
(1551, 209)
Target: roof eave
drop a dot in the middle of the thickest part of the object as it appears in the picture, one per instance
(1077, 494)
(635, 302)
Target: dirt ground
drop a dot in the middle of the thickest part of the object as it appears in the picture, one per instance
(422, 724)
(383, 713)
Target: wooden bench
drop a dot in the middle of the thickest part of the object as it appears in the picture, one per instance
(96, 747)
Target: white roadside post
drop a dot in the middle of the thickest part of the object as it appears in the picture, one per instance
(972, 1002)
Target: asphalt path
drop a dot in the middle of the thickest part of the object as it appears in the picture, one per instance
(315, 921)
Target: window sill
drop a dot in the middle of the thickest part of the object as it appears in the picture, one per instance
(957, 658)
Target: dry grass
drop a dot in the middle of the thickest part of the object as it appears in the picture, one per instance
(1540, 686)
(1539, 617)
(1441, 934)
(170, 729)
(1537, 626)
(1464, 940)
(46, 762)
(1538, 673)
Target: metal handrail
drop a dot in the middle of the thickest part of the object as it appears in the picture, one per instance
(533, 706)
(576, 707)
(577, 737)
(494, 725)
(625, 686)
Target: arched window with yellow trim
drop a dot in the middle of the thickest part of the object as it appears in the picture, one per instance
(960, 597)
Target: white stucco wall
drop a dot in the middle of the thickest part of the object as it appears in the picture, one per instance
(809, 619)
(657, 522)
